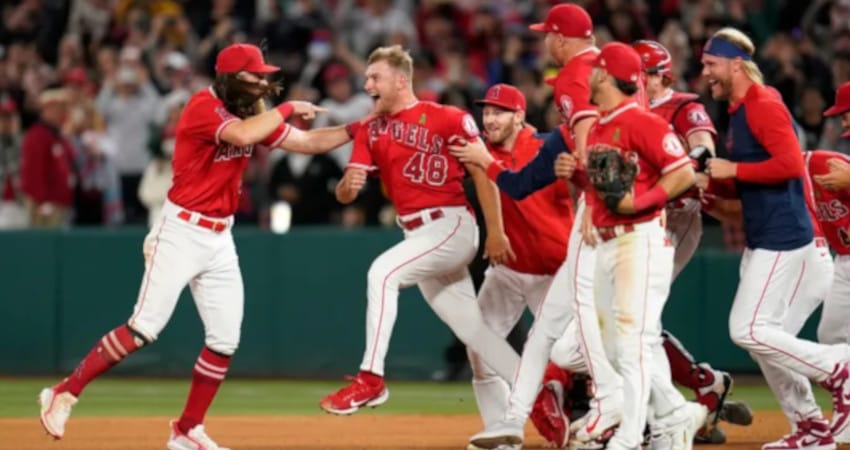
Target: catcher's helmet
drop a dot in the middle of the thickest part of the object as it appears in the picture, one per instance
(656, 59)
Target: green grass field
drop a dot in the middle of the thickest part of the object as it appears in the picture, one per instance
(162, 397)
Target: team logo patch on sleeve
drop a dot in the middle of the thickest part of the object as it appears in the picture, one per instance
(698, 117)
(223, 113)
(469, 126)
(672, 145)
(566, 105)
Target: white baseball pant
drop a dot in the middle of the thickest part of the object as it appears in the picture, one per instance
(834, 327)
(435, 257)
(568, 311)
(633, 273)
(178, 252)
(792, 390)
(684, 228)
(758, 315)
(503, 297)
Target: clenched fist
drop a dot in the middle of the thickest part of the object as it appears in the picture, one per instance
(350, 185)
(565, 165)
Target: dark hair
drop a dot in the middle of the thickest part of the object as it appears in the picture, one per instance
(233, 92)
(626, 87)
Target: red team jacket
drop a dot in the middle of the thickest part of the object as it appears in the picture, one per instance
(47, 166)
(644, 138)
(832, 208)
(207, 171)
(539, 225)
(409, 149)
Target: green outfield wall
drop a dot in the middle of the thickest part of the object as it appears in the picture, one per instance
(304, 310)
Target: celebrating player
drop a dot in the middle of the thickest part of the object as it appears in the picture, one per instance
(407, 144)
(838, 176)
(569, 40)
(216, 135)
(630, 296)
(766, 171)
(686, 114)
(537, 227)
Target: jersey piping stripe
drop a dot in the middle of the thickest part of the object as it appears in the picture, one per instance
(755, 315)
(387, 276)
(282, 137)
(582, 115)
(693, 130)
(143, 294)
(676, 164)
(645, 397)
(221, 128)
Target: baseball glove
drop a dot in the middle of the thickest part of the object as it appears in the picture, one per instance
(611, 175)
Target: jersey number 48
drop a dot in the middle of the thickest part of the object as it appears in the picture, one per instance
(428, 168)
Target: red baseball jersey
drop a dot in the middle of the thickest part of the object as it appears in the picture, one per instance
(409, 149)
(538, 226)
(686, 115)
(208, 171)
(832, 208)
(644, 138)
(572, 91)
(684, 112)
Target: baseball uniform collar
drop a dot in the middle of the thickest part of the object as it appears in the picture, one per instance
(668, 94)
(590, 49)
(622, 107)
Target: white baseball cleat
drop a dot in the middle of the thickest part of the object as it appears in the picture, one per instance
(504, 433)
(55, 410)
(676, 430)
(195, 439)
(604, 415)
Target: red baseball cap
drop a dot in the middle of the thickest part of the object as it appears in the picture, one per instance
(621, 61)
(335, 72)
(842, 101)
(8, 106)
(242, 58)
(504, 96)
(568, 20)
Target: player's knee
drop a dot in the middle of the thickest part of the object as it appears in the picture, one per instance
(222, 345)
(742, 335)
(379, 275)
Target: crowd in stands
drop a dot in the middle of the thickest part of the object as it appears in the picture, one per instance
(90, 90)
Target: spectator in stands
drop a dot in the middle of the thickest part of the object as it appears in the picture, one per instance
(128, 104)
(48, 175)
(156, 181)
(98, 194)
(12, 212)
(344, 105)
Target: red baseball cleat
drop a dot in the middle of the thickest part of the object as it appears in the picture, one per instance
(355, 396)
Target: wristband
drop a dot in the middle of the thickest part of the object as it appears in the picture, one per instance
(285, 110)
(352, 128)
(655, 197)
(494, 169)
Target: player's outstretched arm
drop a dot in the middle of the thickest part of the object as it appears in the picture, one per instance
(535, 175)
(318, 140)
(255, 129)
(497, 248)
(350, 185)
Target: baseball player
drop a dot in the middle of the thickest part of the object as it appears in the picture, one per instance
(634, 261)
(838, 176)
(691, 123)
(406, 143)
(537, 227)
(192, 244)
(569, 40)
(766, 171)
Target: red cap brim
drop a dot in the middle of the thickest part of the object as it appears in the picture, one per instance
(495, 103)
(266, 68)
(836, 110)
(538, 27)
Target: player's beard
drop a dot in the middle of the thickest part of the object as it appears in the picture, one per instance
(240, 97)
